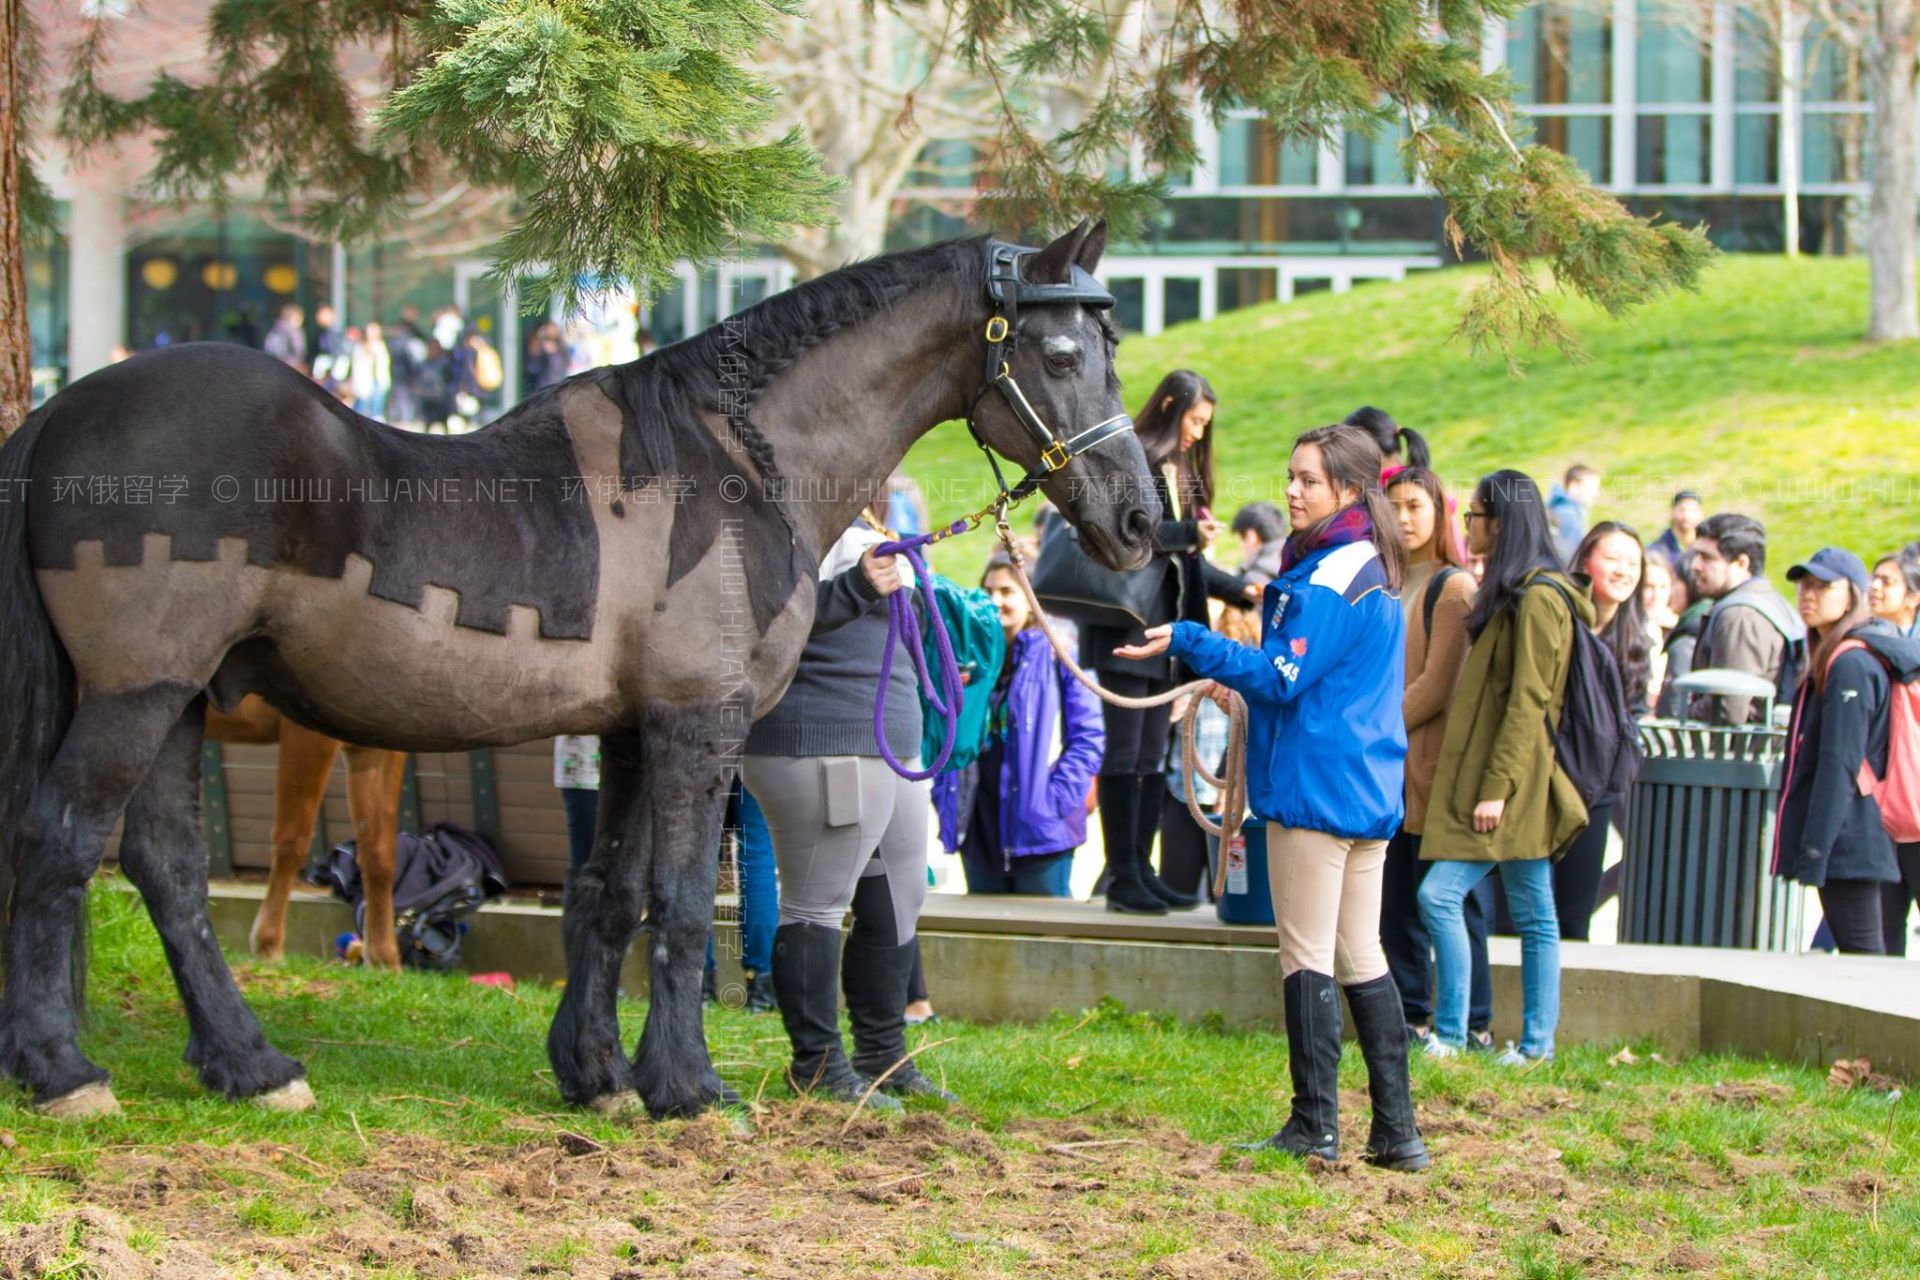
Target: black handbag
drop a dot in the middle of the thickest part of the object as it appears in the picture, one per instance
(1072, 585)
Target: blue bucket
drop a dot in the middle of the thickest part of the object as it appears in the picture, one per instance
(1248, 898)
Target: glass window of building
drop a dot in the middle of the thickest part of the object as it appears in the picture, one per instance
(45, 269)
(1756, 148)
(1561, 54)
(1588, 139)
(1129, 302)
(219, 278)
(1756, 57)
(1378, 161)
(1672, 62)
(1832, 72)
(1181, 301)
(1673, 150)
(1252, 155)
(1833, 147)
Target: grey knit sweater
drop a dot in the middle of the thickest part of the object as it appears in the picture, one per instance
(828, 709)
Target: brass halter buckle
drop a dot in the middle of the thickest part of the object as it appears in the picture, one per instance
(998, 329)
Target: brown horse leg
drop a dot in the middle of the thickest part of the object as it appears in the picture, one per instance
(299, 785)
(374, 779)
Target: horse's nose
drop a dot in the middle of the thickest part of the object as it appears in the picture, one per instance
(1140, 527)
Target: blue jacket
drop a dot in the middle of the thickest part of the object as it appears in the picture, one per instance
(1055, 739)
(1326, 742)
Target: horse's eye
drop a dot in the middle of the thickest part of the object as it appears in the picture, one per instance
(1065, 362)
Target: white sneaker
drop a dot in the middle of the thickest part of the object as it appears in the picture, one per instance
(1435, 1047)
(1512, 1057)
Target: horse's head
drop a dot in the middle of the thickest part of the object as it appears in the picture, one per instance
(1051, 398)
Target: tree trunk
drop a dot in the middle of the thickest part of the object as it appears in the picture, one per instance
(1891, 208)
(16, 342)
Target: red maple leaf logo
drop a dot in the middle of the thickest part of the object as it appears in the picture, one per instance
(1299, 646)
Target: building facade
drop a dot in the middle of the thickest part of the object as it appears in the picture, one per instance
(1693, 111)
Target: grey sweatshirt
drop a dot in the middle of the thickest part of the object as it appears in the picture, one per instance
(828, 709)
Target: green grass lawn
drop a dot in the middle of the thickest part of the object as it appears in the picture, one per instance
(1755, 391)
(1097, 1144)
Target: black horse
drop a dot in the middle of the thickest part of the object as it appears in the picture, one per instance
(631, 554)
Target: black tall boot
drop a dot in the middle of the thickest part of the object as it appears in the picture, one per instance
(1313, 1057)
(1153, 791)
(806, 971)
(876, 973)
(1120, 831)
(1380, 1025)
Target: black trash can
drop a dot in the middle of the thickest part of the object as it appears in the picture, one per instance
(1699, 844)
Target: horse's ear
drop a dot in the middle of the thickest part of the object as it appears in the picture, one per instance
(1049, 266)
(1088, 256)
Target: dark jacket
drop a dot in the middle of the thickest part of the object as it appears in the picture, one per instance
(828, 709)
(1827, 829)
(1190, 579)
(1326, 741)
(1054, 741)
(1748, 629)
(1682, 642)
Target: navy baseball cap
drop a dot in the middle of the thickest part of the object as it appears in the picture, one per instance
(1830, 564)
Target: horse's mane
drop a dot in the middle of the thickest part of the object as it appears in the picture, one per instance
(725, 368)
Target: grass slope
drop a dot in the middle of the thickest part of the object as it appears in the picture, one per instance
(1755, 391)
(1093, 1145)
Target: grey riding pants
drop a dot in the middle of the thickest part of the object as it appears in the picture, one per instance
(835, 819)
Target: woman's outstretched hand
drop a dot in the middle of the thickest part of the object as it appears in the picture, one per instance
(1158, 639)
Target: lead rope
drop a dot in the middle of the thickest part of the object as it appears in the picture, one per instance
(1232, 785)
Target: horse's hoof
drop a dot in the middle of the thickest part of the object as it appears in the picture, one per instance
(84, 1103)
(624, 1103)
(294, 1095)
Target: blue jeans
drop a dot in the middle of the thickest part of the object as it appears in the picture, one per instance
(1046, 877)
(759, 890)
(1529, 887)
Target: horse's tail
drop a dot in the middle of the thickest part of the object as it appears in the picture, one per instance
(37, 693)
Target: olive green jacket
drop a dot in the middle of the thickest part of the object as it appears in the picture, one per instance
(1499, 745)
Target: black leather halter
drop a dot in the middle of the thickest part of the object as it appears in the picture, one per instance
(1008, 293)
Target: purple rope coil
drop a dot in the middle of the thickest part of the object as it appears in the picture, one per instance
(904, 624)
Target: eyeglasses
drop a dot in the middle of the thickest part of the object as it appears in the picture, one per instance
(1468, 517)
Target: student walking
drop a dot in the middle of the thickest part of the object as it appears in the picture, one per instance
(1829, 834)
(1614, 565)
(1500, 799)
(1435, 601)
(1326, 751)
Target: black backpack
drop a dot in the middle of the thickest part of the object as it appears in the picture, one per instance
(439, 877)
(1597, 742)
(1435, 586)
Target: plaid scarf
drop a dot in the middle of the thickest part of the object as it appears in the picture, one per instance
(1349, 524)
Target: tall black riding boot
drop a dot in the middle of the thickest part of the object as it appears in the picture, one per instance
(1381, 1027)
(806, 973)
(875, 971)
(1313, 1057)
(1120, 831)
(1153, 791)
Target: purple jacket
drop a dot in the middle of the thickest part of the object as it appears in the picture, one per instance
(1055, 741)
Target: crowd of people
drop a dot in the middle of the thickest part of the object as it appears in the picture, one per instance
(438, 374)
(1405, 657)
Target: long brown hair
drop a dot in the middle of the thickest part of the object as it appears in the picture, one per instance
(1858, 615)
(1352, 460)
(1446, 540)
(1158, 426)
(1625, 634)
